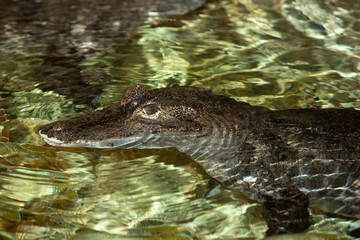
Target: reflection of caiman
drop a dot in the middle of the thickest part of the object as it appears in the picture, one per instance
(285, 159)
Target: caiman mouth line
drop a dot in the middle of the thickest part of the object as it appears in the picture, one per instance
(275, 157)
(50, 141)
(136, 141)
(108, 143)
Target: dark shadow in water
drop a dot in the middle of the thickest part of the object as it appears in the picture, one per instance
(64, 33)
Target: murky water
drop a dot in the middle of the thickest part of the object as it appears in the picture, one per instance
(62, 58)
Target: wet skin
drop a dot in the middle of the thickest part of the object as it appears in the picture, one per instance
(289, 160)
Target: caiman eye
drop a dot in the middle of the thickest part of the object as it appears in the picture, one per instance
(150, 109)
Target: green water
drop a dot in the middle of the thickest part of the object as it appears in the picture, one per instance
(278, 54)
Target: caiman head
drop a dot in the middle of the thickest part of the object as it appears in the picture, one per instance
(168, 117)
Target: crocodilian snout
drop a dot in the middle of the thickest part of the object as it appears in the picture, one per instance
(98, 129)
(54, 135)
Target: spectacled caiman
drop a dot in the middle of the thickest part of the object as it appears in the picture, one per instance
(289, 160)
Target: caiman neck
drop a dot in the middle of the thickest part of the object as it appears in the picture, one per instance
(218, 151)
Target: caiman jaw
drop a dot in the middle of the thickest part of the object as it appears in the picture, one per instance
(50, 140)
(140, 140)
(94, 130)
(107, 143)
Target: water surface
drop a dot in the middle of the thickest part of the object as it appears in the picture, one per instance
(63, 58)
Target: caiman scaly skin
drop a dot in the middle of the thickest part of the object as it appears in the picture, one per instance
(289, 160)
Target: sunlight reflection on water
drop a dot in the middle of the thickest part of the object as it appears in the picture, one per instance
(278, 54)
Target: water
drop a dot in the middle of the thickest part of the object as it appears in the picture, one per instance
(59, 59)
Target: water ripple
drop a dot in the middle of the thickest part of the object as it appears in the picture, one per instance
(279, 54)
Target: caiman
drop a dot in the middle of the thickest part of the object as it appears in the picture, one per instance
(289, 160)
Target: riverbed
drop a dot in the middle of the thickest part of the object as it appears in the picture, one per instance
(60, 59)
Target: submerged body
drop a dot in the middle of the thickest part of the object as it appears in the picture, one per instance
(288, 159)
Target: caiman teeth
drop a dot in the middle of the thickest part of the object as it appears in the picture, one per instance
(50, 140)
